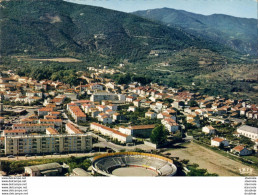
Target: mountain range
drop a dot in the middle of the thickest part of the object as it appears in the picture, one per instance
(240, 34)
(58, 28)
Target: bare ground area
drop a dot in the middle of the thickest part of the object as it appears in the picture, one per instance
(58, 60)
(210, 160)
(48, 59)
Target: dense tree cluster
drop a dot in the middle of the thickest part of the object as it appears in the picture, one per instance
(159, 135)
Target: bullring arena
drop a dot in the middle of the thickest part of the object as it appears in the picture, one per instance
(133, 164)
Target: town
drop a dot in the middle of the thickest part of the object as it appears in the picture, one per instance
(45, 117)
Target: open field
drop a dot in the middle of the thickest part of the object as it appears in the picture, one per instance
(210, 160)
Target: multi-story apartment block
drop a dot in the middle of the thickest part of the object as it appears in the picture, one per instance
(77, 113)
(47, 144)
(33, 128)
(97, 97)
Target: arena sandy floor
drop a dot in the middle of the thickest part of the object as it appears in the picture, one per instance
(133, 171)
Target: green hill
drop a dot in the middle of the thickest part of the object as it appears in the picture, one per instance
(57, 28)
(237, 33)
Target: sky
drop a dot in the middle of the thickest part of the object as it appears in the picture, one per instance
(238, 8)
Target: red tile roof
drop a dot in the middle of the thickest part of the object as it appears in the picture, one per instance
(239, 148)
(142, 127)
(52, 131)
(15, 131)
(217, 139)
(109, 129)
(74, 129)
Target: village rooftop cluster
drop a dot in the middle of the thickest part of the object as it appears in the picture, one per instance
(48, 117)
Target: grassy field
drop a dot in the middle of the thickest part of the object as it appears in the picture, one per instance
(210, 160)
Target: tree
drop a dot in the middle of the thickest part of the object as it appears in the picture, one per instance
(159, 135)
(193, 103)
(221, 146)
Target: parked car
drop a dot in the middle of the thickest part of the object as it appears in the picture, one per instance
(11, 156)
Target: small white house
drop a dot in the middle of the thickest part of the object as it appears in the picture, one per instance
(151, 115)
(131, 109)
(208, 130)
(217, 141)
(104, 118)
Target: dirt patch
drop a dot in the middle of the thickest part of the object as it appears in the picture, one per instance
(210, 160)
(47, 59)
(57, 60)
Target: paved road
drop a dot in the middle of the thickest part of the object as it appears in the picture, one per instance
(30, 112)
(17, 158)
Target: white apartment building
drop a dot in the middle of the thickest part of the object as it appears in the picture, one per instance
(47, 144)
(33, 128)
(248, 131)
(111, 133)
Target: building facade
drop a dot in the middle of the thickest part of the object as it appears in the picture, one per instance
(248, 131)
(47, 144)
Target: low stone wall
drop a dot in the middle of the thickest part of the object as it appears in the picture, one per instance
(150, 144)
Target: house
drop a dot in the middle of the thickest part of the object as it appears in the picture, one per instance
(94, 112)
(217, 142)
(170, 124)
(137, 103)
(208, 130)
(164, 115)
(110, 112)
(77, 114)
(151, 115)
(129, 99)
(117, 117)
(241, 151)
(86, 107)
(131, 109)
(102, 108)
(44, 111)
(104, 118)
(112, 107)
(221, 111)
